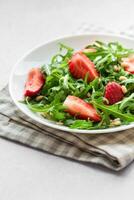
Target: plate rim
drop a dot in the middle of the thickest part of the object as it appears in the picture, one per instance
(49, 123)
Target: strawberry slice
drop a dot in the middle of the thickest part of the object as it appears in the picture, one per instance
(81, 109)
(113, 92)
(34, 83)
(80, 65)
(128, 64)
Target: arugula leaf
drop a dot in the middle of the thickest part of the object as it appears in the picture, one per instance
(127, 104)
(113, 110)
(128, 81)
(79, 124)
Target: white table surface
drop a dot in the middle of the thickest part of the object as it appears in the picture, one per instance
(27, 174)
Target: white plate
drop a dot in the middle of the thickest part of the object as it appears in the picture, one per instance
(42, 54)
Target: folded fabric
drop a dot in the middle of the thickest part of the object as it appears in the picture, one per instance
(113, 150)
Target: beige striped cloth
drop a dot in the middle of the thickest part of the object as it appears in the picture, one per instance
(113, 150)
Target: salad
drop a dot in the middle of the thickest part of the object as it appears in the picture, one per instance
(92, 88)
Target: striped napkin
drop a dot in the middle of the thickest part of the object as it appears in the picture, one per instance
(113, 150)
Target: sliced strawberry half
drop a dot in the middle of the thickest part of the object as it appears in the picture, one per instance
(81, 109)
(113, 92)
(34, 83)
(128, 64)
(80, 65)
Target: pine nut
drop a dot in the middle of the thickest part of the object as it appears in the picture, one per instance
(122, 78)
(124, 89)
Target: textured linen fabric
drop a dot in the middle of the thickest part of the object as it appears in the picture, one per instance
(113, 150)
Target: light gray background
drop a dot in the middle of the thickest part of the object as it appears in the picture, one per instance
(27, 174)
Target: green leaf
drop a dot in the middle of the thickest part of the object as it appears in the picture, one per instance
(113, 110)
(127, 81)
(81, 124)
(127, 103)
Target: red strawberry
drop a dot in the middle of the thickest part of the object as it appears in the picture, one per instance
(81, 109)
(128, 64)
(34, 82)
(113, 92)
(80, 65)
